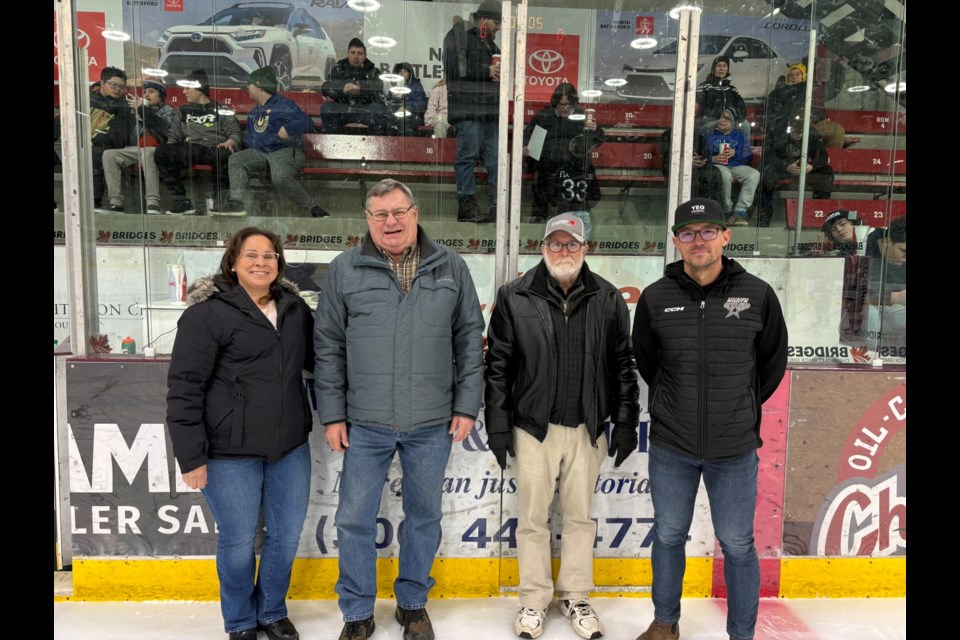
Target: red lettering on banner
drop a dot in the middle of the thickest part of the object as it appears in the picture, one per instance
(173, 5)
(89, 25)
(551, 60)
(644, 26)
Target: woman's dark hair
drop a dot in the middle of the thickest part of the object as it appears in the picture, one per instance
(564, 89)
(407, 66)
(229, 260)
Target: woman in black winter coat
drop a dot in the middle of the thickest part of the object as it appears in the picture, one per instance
(239, 418)
(717, 93)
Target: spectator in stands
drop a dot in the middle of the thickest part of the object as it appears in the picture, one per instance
(413, 103)
(112, 124)
(717, 93)
(885, 309)
(840, 232)
(436, 114)
(202, 133)
(786, 99)
(473, 89)
(355, 87)
(564, 177)
(274, 142)
(154, 119)
(728, 149)
(781, 162)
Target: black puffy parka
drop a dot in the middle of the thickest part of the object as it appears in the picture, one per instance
(711, 358)
(235, 384)
(521, 366)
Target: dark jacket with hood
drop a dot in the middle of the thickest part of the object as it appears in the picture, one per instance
(521, 363)
(366, 75)
(715, 94)
(415, 101)
(235, 384)
(472, 94)
(711, 358)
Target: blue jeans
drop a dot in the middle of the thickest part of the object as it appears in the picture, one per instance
(473, 138)
(423, 458)
(237, 490)
(732, 491)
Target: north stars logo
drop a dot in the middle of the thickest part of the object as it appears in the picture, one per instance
(735, 305)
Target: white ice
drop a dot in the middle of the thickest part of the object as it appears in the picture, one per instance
(492, 619)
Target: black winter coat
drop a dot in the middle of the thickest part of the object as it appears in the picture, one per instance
(472, 95)
(367, 76)
(711, 359)
(521, 361)
(235, 384)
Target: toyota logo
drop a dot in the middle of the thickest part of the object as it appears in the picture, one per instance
(545, 61)
(196, 36)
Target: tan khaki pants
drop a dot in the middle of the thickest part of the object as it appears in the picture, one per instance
(565, 454)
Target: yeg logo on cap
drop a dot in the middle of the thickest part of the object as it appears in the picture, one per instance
(698, 207)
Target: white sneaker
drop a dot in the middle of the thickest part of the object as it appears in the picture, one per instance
(529, 622)
(582, 617)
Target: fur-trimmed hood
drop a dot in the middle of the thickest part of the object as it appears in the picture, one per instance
(206, 287)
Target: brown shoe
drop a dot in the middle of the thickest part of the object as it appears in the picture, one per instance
(416, 624)
(358, 629)
(661, 631)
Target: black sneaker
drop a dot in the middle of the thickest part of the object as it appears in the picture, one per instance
(154, 210)
(318, 212)
(358, 629)
(232, 208)
(182, 208)
(416, 624)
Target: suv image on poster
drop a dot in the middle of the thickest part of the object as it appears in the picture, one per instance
(247, 36)
(755, 68)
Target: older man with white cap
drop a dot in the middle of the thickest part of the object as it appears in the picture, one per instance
(559, 363)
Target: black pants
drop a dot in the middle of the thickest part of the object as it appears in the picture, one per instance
(172, 159)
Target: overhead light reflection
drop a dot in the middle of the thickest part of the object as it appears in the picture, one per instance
(400, 91)
(675, 12)
(116, 35)
(157, 73)
(644, 43)
(382, 42)
(860, 88)
(577, 116)
(615, 82)
(363, 6)
(188, 84)
(591, 93)
(894, 87)
(391, 77)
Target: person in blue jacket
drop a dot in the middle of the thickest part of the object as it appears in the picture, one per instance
(273, 142)
(728, 149)
(414, 102)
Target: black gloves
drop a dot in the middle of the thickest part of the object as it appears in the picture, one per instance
(623, 442)
(501, 444)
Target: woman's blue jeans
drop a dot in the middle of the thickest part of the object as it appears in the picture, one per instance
(423, 458)
(237, 490)
(732, 491)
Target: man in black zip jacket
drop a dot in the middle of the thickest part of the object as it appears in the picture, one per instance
(711, 343)
(559, 362)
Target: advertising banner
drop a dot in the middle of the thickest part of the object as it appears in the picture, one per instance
(846, 487)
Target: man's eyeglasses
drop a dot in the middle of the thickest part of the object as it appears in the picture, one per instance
(556, 246)
(267, 256)
(705, 234)
(381, 216)
(115, 85)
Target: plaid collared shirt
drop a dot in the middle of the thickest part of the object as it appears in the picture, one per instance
(407, 267)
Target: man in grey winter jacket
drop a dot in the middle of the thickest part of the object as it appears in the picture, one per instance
(399, 370)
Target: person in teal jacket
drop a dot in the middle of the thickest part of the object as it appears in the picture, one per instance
(273, 142)
(399, 346)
